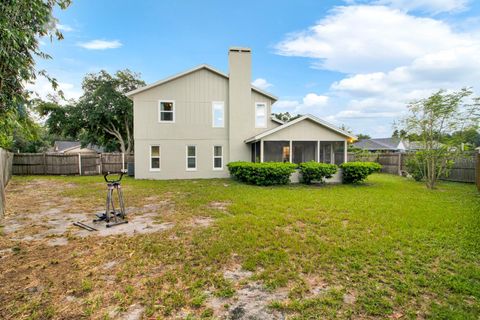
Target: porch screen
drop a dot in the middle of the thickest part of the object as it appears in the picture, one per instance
(277, 151)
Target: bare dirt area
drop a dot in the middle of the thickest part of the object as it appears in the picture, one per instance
(37, 211)
(49, 267)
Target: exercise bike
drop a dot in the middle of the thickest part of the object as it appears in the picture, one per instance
(111, 215)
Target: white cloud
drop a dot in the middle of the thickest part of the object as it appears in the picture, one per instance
(314, 100)
(354, 39)
(100, 44)
(64, 27)
(311, 103)
(391, 58)
(433, 6)
(262, 83)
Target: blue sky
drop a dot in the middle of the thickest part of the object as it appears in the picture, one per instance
(356, 63)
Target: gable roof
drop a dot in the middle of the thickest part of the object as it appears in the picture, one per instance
(379, 144)
(187, 72)
(64, 146)
(291, 123)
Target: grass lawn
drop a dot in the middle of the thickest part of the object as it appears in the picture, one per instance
(387, 248)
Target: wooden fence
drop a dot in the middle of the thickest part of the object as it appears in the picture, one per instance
(69, 164)
(5, 175)
(463, 169)
(478, 170)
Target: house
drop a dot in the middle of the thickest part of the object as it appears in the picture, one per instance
(382, 144)
(74, 147)
(192, 124)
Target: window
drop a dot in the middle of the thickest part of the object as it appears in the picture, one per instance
(166, 111)
(191, 158)
(154, 158)
(217, 158)
(218, 114)
(260, 115)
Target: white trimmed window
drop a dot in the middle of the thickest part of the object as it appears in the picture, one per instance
(191, 158)
(154, 158)
(217, 158)
(166, 111)
(218, 114)
(260, 115)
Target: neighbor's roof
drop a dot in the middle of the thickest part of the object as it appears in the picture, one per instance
(291, 123)
(63, 146)
(181, 74)
(378, 144)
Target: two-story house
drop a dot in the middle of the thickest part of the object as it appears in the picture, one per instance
(192, 124)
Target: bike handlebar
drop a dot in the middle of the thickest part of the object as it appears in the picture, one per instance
(121, 173)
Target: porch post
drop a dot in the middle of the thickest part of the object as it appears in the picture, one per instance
(261, 150)
(290, 152)
(318, 150)
(346, 152)
(332, 155)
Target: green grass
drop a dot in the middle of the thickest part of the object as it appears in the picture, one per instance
(396, 246)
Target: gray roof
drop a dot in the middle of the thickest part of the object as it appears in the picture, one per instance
(61, 146)
(378, 144)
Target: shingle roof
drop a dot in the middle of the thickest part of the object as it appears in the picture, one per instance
(293, 122)
(61, 146)
(184, 73)
(378, 144)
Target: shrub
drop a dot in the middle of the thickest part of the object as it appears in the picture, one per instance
(314, 171)
(415, 168)
(262, 174)
(354, 172)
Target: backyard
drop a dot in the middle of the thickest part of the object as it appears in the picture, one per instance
(388, 248)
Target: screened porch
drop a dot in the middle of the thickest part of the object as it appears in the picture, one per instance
(333, 152)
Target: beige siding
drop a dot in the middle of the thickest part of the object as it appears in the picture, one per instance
(193, 96)
(173, 163)
(304, 131)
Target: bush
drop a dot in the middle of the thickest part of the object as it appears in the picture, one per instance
(262, 174)
(354, 172)
(415, 168)
(314, 171)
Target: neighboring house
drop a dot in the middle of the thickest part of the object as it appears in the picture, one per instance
(74, 147)
(192, 124)
(382, 144)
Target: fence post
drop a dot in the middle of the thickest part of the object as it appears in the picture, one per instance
(79, 164)
(44, 163)
(400, 164)
(123, 162)
(99, 163)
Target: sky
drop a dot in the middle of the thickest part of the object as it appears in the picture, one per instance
(356, 63)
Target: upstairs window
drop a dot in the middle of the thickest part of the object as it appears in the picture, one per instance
(218, 114)
(217, 158)
(191, 158)
(260, 115)
(154, 158)
(166, 111)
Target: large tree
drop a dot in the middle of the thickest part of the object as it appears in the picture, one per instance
(22, 24)
(433, 120)
(103, 115)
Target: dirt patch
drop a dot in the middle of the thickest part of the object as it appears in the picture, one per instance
(38, 211)
(251, 300)
(219, 205)
(201, 222)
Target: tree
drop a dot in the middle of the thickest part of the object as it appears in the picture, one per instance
(362, 136)
(22, 24)
(103, 115)
(402, 134)
(436, 118)
(286, 116)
